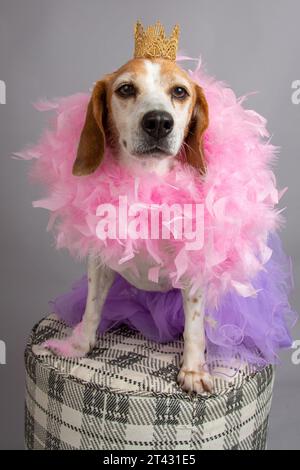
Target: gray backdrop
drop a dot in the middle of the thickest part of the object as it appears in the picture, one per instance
(58, 47)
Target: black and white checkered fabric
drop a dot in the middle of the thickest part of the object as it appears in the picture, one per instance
(124, 396)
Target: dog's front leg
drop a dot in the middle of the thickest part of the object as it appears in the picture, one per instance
(83, 337)
(193, 375)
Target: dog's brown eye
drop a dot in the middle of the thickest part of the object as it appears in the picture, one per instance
(179, 92)
(126, 90)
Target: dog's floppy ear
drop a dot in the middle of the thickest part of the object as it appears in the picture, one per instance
(92, 140)
(199, 123)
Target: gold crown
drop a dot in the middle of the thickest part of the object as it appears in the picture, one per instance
(153, 43)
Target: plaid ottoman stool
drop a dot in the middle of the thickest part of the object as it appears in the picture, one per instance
(124, 396)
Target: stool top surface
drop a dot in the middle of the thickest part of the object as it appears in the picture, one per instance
(124, 361)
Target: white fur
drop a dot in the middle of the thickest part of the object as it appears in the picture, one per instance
(153, 95)
(192, 376)
(83, 337)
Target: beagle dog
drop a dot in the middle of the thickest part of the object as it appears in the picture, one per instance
(146, 111)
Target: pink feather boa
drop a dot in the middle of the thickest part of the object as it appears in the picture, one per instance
(238, 193)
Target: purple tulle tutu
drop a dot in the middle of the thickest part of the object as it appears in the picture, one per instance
(252, 329)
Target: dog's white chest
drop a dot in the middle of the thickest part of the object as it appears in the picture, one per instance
(139, 277)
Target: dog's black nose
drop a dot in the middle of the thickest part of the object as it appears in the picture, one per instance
(157, 124)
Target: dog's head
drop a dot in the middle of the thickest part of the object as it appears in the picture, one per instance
(148, 109)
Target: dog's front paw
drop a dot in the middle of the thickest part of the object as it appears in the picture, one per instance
(195, 381)
(65, 347)
(76, 345)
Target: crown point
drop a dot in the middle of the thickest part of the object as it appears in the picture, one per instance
(152, 43)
